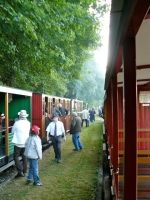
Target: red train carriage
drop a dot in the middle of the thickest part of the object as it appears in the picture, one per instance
(42, 105)
(127, 99)
(143, 122)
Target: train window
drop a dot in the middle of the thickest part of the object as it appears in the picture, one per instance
(46, 105)
(49, 105)
(144, 97)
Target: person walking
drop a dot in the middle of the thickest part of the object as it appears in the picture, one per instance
(92, 115)
(75, 130)
(85, 116)
(21, 130)
(56, 130)
(33, 151)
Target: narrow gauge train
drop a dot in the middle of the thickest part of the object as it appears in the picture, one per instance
(13, 100)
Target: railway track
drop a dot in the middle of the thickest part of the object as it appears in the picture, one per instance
(7, 175)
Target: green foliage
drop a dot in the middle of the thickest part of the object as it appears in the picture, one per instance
(90, 88)
(44, 43)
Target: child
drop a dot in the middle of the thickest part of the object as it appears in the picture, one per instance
(33, 151)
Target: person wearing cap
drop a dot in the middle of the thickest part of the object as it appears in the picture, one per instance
(56, 130)
(33, 151)
(20, 130)
(75, 130)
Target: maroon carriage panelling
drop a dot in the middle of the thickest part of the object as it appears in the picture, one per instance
(143, 112)
(143, 121)
(37, 111)
(120, 115)
(37, 105)
(120, 108)
(109, 115)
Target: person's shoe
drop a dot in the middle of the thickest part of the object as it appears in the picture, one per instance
(19, 175)
(59, 161)
(38, 184)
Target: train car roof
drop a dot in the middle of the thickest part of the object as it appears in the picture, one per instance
(49, 95)
(76, 100)
(11, 90)
(120, 15)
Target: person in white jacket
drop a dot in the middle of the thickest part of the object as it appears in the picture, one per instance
(85, 116)
(33, 151)
(20, 129)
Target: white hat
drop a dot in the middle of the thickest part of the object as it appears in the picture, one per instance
(23, 113)
(2, 115)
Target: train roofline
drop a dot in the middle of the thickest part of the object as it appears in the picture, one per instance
(49, 95)
(11, 90)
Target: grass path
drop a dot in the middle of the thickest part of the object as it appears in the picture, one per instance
(73, 179)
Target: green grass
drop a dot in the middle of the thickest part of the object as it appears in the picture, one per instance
(73, 179)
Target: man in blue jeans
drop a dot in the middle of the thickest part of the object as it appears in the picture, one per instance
(75, 130)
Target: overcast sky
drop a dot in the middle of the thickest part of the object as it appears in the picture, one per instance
(101, 54)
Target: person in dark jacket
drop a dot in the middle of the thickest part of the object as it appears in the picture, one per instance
(47, 120)
(75, 130)
(92, 115)
(55, 111)
(63, 111)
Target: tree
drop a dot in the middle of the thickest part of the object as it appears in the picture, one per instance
(44, 43)
(90, 88)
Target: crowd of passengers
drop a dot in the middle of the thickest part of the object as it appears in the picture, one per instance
(27, 143)
(59, 110)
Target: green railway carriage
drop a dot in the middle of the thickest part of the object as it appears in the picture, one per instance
(12, 100)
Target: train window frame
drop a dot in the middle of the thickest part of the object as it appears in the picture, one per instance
(144, 97)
